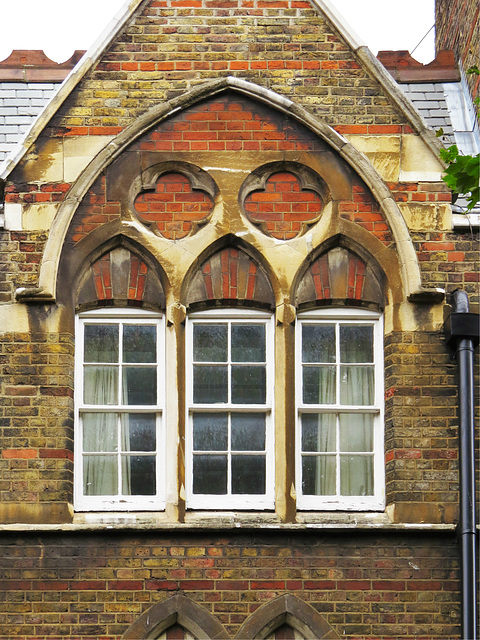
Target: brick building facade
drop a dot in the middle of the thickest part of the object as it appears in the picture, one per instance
(228, 409)
(457, 27)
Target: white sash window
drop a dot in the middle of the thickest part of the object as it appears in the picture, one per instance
(340, 410)
(230, 431)
(118, 400)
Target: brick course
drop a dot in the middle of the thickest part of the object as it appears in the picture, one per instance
(96, 585)
(172, 46)
(36, 423)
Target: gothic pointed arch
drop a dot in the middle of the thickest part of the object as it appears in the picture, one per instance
(409, 267)
(341, 273)
(177, 610)
(117, 271)
(286, 610)
(229, 275)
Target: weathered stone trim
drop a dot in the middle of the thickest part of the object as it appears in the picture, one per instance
(176, 610)
(410, 272)
(288, 609)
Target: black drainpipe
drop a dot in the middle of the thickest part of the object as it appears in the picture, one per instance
(462, 333)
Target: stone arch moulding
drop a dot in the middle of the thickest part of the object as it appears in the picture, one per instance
(286, 609)
(410, 269)
(104, 240)
(176, 610)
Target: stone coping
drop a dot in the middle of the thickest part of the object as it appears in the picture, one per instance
(223, 522)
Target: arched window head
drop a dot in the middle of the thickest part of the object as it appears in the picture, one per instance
(341, 277)
(231, 277)
(120, 278)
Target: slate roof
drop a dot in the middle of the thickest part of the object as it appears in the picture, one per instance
(440, 93)
(28, 81)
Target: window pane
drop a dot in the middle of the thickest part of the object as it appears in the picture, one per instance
(138, 432)
(100, 432)
(356, 343)
(356, 475)
(248, 385)
(248, 474)
(318, 343)
(101, 343)
(319, 385)
(318, 432)
(356, 432)
(248, 431)
(210, 474)
(100, 475)
(357, 385)
(210, 384)
(139, 343)
(318, 475)
(210, 431)
(210, 342)
(139, 385)
(138, 475)
(100, 385)
(248, 343)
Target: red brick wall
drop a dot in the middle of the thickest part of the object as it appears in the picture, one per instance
(173, 206)
(95, 585)
(283, 206)
(457, 27)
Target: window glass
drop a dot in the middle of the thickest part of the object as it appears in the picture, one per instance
(339, 412)
(229, 447)
(118, 413)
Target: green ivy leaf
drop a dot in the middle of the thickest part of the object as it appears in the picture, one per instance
(462, 176)
(473, 69)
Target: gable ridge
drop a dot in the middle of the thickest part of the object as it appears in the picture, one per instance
(131, 8)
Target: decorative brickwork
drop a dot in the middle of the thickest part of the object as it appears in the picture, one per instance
(341, 275)
(283, 208)
(102, 276)
(229, 123)
(173, 206)
(230, 275)
(121, 278)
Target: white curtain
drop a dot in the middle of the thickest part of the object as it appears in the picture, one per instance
(100, 432)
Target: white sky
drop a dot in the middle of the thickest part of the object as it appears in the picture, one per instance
(60, 26)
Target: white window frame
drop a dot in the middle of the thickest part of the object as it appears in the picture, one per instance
(119, 317)
(229, 500)
(375, 502)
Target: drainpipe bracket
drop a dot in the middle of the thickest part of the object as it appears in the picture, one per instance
(462, 326)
